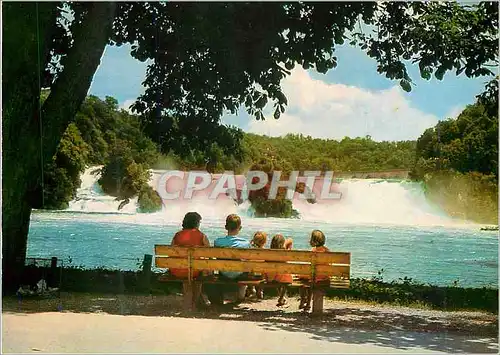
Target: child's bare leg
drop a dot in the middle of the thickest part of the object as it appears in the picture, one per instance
(281, 295)
(250, 291)
(260, 292)
(303, 297)
(309, 297)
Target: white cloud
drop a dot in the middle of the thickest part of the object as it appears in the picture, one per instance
(454, 112)
(334, 111)
(126, 105)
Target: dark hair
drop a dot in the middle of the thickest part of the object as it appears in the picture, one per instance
(278, 242)
(233, 222)
(191, 220)
(317, 238)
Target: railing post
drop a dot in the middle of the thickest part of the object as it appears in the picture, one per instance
(146, 271)
(53, 272)
(121, 282)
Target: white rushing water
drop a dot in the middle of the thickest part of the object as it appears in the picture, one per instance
(364, 201)
(91, 199)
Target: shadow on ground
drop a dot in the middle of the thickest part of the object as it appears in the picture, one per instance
(345, 323)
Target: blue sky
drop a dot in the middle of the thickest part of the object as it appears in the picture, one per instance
(351, 100)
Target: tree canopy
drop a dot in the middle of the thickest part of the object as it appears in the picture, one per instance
(458, 162)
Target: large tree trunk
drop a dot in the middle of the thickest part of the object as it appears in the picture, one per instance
(24, 35)
(29, 138)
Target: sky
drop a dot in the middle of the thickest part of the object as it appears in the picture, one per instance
(351, 100)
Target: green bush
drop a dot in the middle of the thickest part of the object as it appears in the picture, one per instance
(99, 134)
(472, 196)
(61, 175)
(406, 292)
(122, 176)
(149, 200)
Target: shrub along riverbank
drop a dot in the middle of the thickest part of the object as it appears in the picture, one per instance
(404, 292)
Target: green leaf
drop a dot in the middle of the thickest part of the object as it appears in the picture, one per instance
(277, 113)
(321, 67)
(425, 73)
(339, 38)
(405, 85)
(440, 73)
(261, 103)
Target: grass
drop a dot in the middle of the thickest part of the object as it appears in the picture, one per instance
(404, 292)
(412, 294)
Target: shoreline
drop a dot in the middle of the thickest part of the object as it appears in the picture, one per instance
(404, 292)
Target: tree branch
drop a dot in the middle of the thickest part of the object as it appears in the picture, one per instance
(72, 85)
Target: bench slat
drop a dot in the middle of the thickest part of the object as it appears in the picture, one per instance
(255, 254)
(253, 266)
(334, 282)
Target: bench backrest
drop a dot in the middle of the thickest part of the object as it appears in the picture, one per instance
(254, 260)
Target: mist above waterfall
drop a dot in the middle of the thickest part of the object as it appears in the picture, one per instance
(364, 201)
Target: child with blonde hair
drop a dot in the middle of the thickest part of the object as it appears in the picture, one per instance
(279, 242)
(317, 243)
(258, 241)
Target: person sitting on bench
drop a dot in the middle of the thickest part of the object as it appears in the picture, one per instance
(191, 236)
(317, 243)
(232, 240)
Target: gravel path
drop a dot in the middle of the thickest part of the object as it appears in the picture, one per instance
(120, 323)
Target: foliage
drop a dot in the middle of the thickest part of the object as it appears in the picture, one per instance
(439, 36)
(100, 134)
(149, 200)
(261, 203)
(458, 161)
(298, 152)
(62, 174)
(468, 143)
(470, 196)
(122, 176)
(407, 292)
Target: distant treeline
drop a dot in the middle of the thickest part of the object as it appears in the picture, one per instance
(458, 161)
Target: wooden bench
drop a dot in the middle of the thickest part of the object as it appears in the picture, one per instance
(255, 261)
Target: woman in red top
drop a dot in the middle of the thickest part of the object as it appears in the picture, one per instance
(191, 236)
(317, 243)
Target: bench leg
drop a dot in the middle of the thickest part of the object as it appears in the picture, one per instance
(188, 292)
(318, 296)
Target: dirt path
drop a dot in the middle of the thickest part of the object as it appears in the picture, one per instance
(111, 323)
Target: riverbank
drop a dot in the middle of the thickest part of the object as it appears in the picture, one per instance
(404, 292)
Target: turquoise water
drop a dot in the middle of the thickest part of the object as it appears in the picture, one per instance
(432, 254)
(386, 225)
